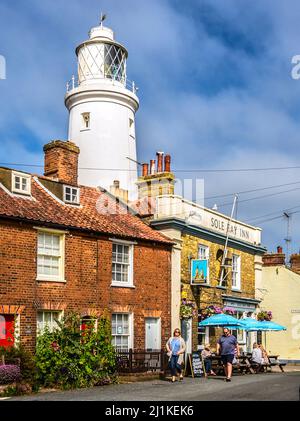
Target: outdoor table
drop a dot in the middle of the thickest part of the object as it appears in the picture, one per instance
(273, 362)
(243, 365)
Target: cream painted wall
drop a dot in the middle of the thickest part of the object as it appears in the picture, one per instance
(281, 295)
(175, 235)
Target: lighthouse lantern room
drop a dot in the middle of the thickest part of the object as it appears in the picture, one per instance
(102, 104)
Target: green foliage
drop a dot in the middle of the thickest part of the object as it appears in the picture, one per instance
(18, 355)
(72, 358)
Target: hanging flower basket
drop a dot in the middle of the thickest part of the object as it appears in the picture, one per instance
(187, 309)
(211, 310)
(265, 316)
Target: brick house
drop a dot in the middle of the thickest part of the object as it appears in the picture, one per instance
(65, 247)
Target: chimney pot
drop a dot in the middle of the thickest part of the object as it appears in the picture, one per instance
(168, 163)
(159, 161)
(145, 170)
(152, 166)
(279, 250)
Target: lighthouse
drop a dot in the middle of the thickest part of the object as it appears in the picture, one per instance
(102, 104)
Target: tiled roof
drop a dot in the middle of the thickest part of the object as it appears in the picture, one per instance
(97, 212)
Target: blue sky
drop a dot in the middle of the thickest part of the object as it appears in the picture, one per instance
(215, 88)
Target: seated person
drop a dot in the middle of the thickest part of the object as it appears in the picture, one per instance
(256, 355)
(206, 354)
(264, 355)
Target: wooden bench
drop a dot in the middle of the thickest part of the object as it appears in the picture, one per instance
(273, 362)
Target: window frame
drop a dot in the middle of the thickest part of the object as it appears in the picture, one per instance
(130, 330)
(70, 202)
(61, 265)
(59, 318)
(83, 121)
(131, 127)
(237, 273)
(27, 177)
(240, 334)
(129, 283)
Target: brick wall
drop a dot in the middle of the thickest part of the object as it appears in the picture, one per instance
(295, 263)
(61, 161)
(211, 295)
(88, 274)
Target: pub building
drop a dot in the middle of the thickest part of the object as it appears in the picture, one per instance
(199, 234)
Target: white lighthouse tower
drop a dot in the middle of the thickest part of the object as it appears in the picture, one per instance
(102, 104)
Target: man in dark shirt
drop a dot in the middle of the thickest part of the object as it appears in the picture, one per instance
(226, 347)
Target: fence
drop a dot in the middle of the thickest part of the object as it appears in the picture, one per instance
(141, 361)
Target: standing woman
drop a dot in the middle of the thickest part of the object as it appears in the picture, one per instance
(176, 348)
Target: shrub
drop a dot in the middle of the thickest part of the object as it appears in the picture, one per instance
(72, 358)
(18, 355)
(9, 374)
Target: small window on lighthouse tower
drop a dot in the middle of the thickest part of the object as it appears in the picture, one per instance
(86, 121)
(131, 128)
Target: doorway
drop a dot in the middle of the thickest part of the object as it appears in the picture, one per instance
(153, 334)
(186, 333)
(7, 330)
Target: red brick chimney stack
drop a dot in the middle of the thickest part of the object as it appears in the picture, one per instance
(295, 263)
(274, 259)
(61, 161)
(156, 181)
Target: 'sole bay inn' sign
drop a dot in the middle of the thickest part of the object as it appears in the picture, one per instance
(233, 231)
(213, 221)
(197, 215)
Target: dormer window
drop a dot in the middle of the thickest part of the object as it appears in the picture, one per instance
(71, 195)
(21, 183)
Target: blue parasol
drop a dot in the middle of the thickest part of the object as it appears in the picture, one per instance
(222, 320)
(266, 326)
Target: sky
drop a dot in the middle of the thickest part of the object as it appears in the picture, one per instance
(215, 90)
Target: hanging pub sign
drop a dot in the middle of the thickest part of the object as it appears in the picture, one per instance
(199, 272)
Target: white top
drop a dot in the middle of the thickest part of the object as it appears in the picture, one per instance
(257, 355)
(101, 32)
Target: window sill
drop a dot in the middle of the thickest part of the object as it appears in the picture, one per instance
(115, 285)
(21, 193)
(219, 287)
(59, 281)
(236, 290)
(72, 203)
(202, 285)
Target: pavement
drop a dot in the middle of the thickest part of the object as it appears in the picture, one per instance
(259, 387)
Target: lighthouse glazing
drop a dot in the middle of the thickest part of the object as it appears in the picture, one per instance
(102, 104)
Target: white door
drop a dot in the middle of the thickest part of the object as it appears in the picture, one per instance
(186, 333)
(153, 333)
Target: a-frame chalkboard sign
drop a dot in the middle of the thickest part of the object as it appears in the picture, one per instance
(195, 365)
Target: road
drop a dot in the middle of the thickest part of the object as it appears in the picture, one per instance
(262, 387)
